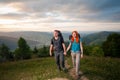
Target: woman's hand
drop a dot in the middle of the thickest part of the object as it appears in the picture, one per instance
(81, 55)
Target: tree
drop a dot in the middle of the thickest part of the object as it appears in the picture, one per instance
(111, 46)
(4, 52)
(43, 52)
(97, 51)
(35, 50)
(87, 50)
(23, 51)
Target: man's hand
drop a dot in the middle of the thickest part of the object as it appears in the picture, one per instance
(65, 53)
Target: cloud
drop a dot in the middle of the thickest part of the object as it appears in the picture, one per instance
(76, 10)
(60, 12)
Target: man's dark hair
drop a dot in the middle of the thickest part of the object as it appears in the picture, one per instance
(59, 33)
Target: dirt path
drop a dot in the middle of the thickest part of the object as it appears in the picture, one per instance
(71, 71)
(59, 79)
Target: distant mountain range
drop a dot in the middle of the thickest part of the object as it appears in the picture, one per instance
(43, 38)
(97, 38)
(33, 38)
(12, 42)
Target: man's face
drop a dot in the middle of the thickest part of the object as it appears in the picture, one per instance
(55, 34)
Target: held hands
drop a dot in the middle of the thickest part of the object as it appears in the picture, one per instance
(65, 53)
(81, 55)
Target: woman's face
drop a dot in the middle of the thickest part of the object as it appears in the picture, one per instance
(74, 34)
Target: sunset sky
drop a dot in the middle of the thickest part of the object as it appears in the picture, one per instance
(65, 15)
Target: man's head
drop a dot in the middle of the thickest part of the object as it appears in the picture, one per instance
(55, 33)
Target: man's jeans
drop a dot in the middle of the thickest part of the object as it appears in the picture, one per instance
(59, 57)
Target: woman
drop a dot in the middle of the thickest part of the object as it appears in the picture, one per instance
(76, 50)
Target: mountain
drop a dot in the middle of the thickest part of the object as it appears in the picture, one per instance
(97, 38)
(33, 38)
(12, 42)
(43, 38)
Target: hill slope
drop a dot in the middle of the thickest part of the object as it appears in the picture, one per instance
(12, 42)
(45, 69)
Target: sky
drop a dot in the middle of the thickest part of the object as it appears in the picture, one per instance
(64, 15)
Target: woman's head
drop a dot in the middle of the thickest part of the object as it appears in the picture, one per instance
(76, 36)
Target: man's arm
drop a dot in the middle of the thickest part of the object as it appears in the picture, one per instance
(64, 48)
(50, 51)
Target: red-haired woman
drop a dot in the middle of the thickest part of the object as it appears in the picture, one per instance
(76, 50)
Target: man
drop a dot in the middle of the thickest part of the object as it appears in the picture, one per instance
(58, 46)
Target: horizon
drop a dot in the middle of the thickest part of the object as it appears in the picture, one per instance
(67, 16)
(58, 29)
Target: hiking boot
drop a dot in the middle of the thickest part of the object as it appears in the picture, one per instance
(77, 77)
(59, 68)
(64, 69)
(78, 74)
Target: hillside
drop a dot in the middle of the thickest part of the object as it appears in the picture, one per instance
(96, 38)
(12, 42)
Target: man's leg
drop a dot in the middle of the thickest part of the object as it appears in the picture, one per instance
(62, 61)
(57, 60)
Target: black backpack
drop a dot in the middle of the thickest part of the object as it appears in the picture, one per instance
(60, 34)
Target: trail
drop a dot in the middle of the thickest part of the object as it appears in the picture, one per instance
(71, 72)
(59, 79)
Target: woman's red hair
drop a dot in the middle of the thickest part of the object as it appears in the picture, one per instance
(77, 37)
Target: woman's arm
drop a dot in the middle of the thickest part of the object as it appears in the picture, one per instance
(81, 47)
(68, 46)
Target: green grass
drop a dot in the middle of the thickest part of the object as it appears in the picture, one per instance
(100, 68)
(34, 69)
(94, 68)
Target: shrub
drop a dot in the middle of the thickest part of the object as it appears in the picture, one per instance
(23, 51)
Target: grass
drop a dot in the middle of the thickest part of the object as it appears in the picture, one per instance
(94, 68)
(100, 68)
(34, 69)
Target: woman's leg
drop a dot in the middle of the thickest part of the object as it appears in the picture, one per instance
(73, 59)
(77, 63)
